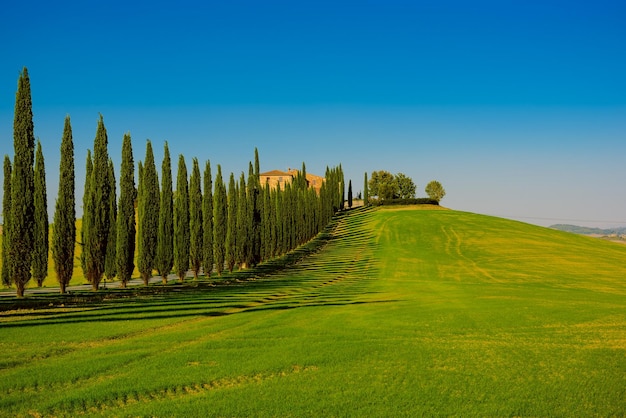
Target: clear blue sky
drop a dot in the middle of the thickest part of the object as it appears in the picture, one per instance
(517, 107)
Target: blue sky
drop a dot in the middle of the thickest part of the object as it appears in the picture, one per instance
(517, 107)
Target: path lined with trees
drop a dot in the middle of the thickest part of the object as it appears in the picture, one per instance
(203, 229)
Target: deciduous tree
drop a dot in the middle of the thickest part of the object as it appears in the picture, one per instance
(435, 190)
(406, 187)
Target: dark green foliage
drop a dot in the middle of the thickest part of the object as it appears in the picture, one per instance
(64, 232)
(231, 225)
(383, 184)
(40, 239)
(366, 198)
(148, 214)
(350, 194)
(96, 219)
(207, 221)
(110, 263)
(125, 243)
(406, 187)
(22, 216)
(6, 222)
(181, 221)
(243, 253)
(86, 218)
(267, 224)
(195, 219)
(165, 247)
(413, 201)
(254, 209)
(220, 216)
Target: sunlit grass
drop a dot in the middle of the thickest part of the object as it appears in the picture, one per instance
(398, 313)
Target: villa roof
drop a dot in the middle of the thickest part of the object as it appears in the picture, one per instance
(274, 173)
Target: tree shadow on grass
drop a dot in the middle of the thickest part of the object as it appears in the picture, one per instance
(282, 283)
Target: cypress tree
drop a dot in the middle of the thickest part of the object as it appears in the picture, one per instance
(41, 234)
(231, 225)
(279, 223)
(86, 218)
(195, 219)
(22, 217)
(181, 221)
(125, 243)
(6, 221)
(207, 222)
(110, 263)
(350, 194)
(165, 247)
(97, 212)
(148, 211)
(255, 202)
(243, 253)
(64, 232)
(266, 224)
(220, 215)
(366, 198)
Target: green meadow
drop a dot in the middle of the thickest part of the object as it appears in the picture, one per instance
(392, 312)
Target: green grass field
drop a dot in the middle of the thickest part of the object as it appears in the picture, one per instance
(402, 312)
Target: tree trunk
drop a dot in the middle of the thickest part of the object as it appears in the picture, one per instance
(94, 286)
(123, 284)
(164, 278)
(20, 289)
(39, 282)
(146, 279)
(62, 287)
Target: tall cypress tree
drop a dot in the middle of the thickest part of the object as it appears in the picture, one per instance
(125, 243)
(266, 224)
(64, 232)
(86, 218)
(366, 198)
(22, 217)
(181, 221)
(110, 263)
(254, 196)
(6, 221)
(220, 216)
(97, 212)
(207, 221)
(148, 211)
(195, 219)
(350, 193)
(231, 224)
(165, 247)
(243, 240)
(41, 243)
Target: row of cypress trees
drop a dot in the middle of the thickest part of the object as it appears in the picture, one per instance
(202, 225)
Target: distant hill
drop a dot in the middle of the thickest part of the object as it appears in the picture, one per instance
(584, 230)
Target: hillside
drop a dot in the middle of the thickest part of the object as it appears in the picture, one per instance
(584, 230)
(402, 312)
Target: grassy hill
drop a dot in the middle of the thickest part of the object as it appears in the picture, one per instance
(403, 312)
